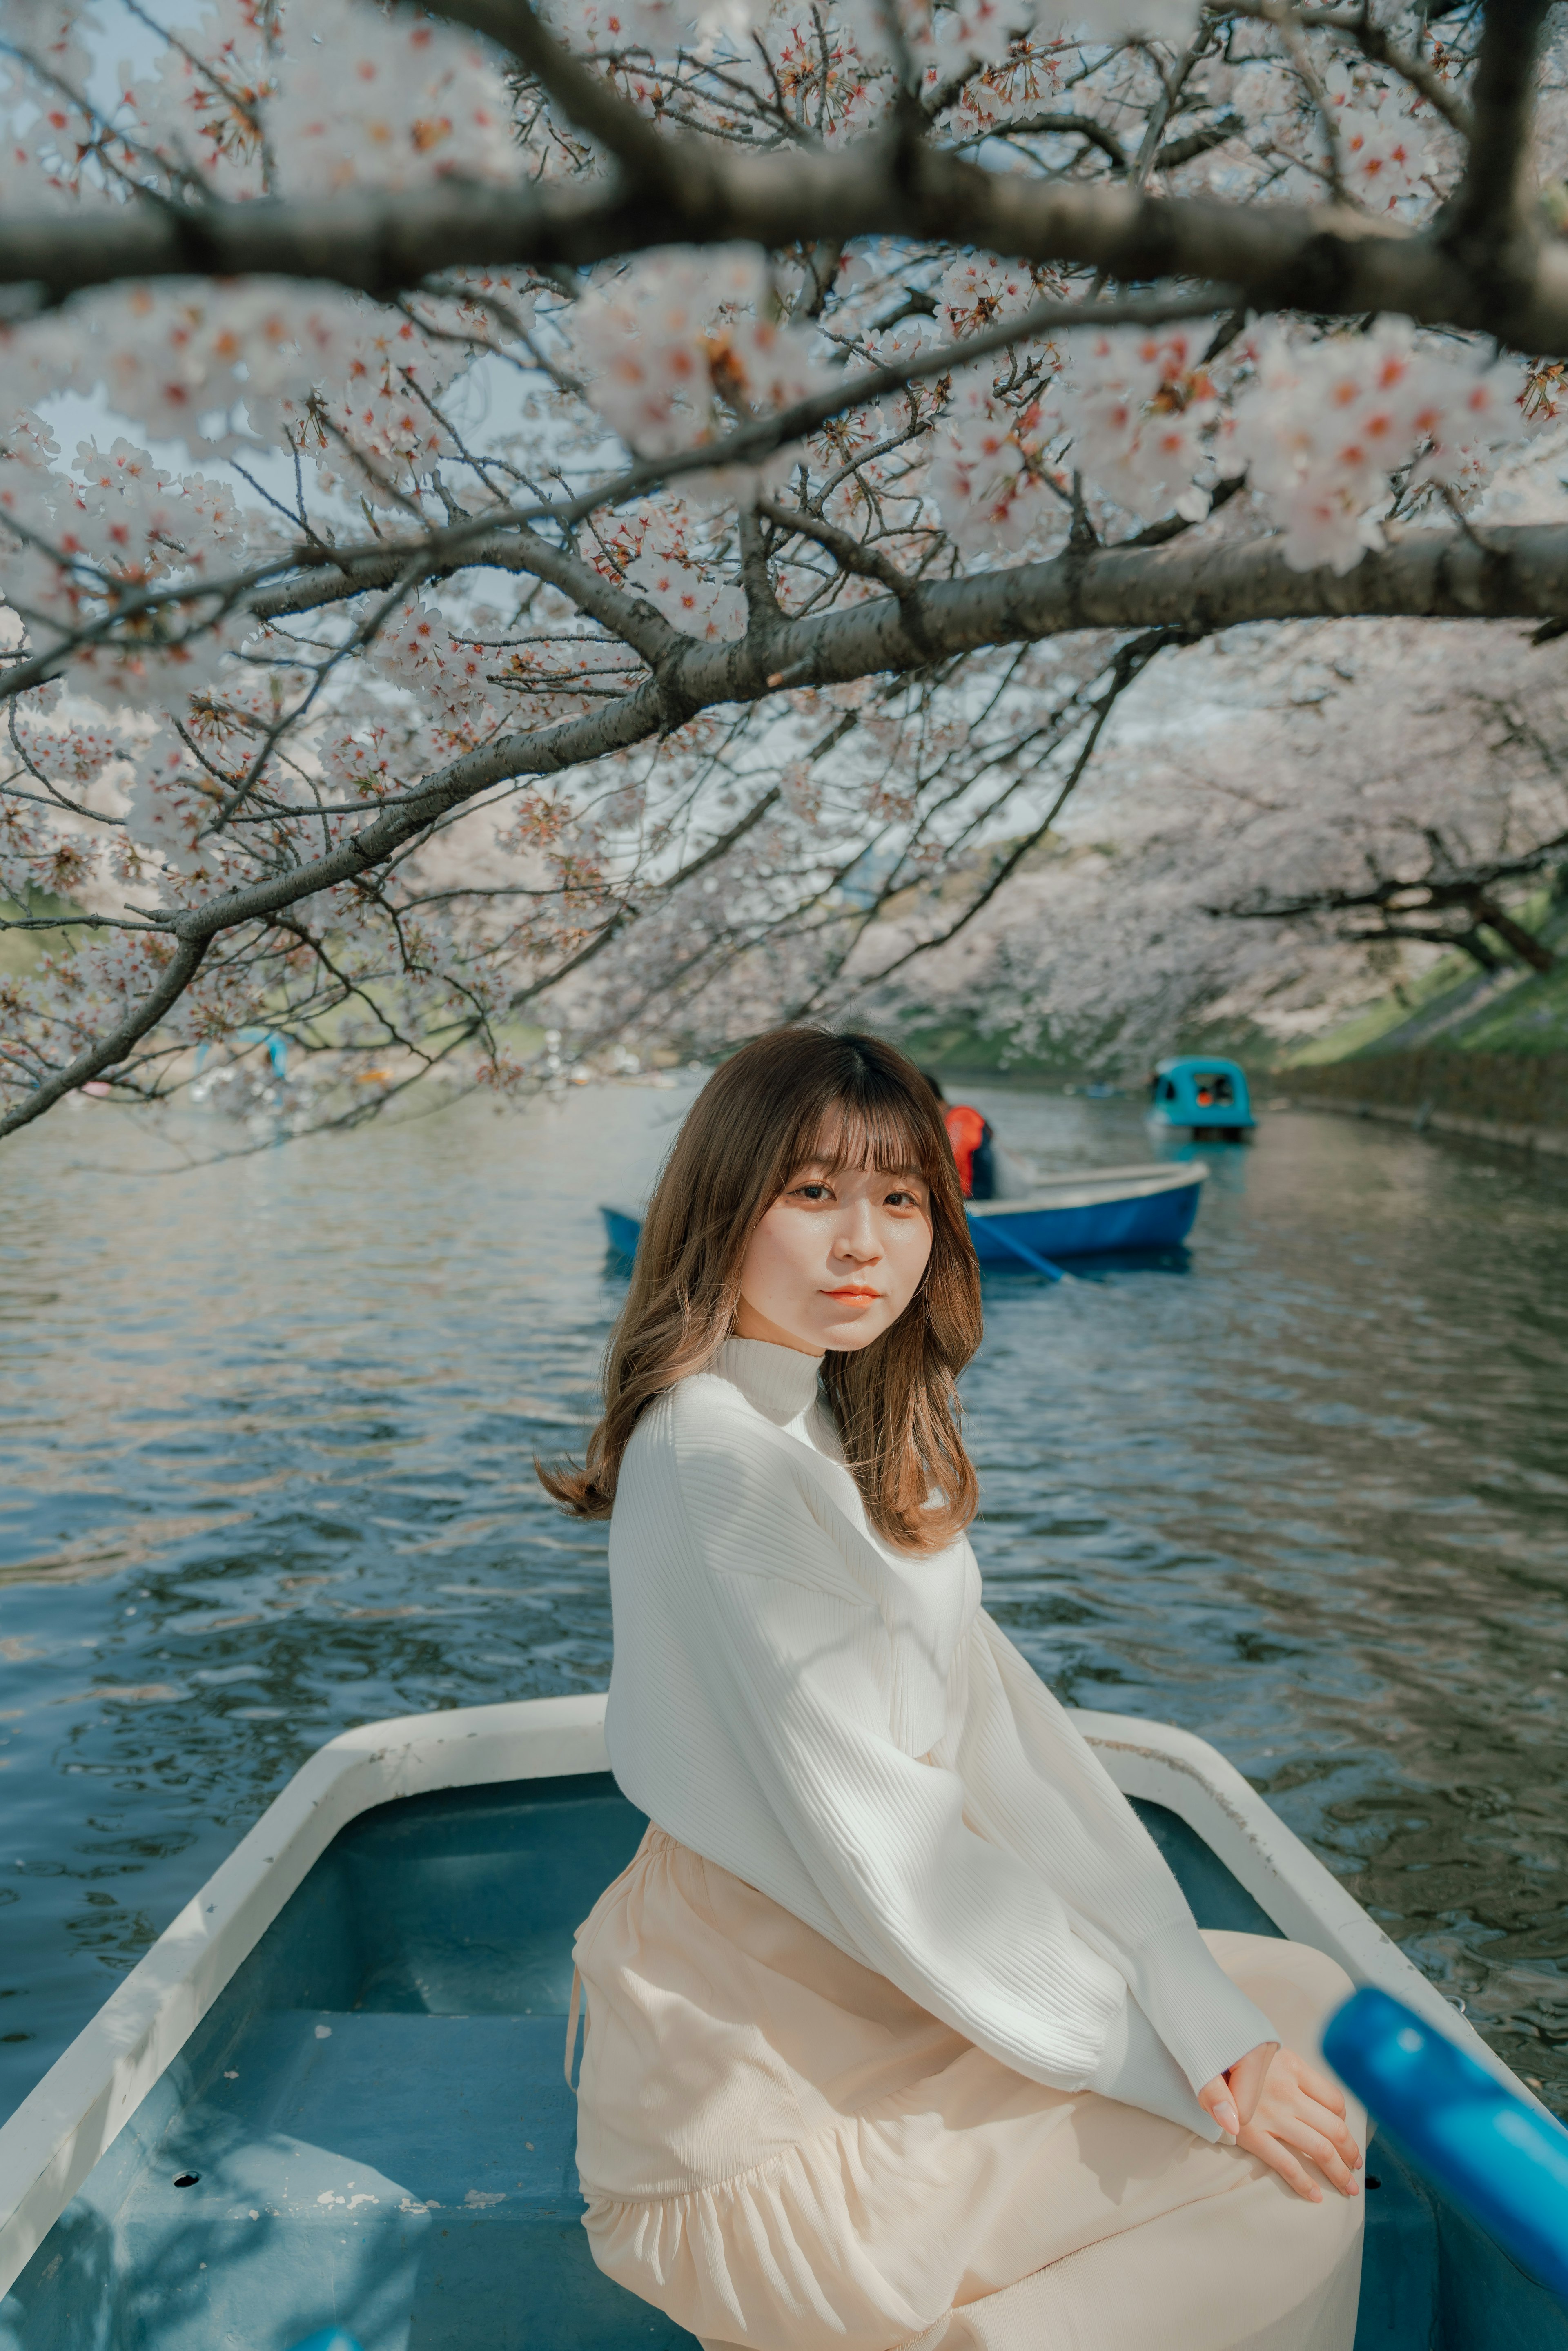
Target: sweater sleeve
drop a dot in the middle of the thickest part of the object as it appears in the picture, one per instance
(1138, 2070)
(801, 1664)
(1036, 1786)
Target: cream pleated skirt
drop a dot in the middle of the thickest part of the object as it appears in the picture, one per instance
(781, 2151)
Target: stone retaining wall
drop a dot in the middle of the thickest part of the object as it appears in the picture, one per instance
(1518, 1098)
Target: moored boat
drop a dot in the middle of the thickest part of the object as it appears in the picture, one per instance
(1205, 1097)
(332, 2093)
(1096, 1212)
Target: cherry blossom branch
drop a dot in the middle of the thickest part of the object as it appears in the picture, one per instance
(1128, 663)
(179, 972)
(585, 97)
(485, 540)
(625, 914)
(1322, 259)
(1401, 903)
(1379, 48)
(76, 923)
(1064, 125)
(852, 554)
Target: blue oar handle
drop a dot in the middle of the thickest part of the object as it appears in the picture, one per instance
(1504, 2160)
(1021, 1248)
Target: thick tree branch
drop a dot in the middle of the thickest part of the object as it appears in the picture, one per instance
(1525, 945)
(1486, 217)
(1322, 259)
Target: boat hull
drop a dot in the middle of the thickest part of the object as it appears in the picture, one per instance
(1157, 1218)
(1202, 1130)
(350, 2046)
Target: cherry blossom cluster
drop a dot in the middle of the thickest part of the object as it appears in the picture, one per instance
(680, 347)
(1333, 435)
(673, 561)
(1331, 431)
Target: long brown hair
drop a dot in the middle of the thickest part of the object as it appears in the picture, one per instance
(794, 1097)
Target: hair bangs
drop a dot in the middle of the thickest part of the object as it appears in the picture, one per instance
(875, 1132)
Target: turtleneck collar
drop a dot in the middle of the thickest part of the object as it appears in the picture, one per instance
(777, 1382)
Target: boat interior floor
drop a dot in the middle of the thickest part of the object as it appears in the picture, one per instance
(372, 2127)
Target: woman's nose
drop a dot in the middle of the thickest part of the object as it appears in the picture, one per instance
(858, 1237)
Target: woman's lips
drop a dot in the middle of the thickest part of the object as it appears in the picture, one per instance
(854, 1291)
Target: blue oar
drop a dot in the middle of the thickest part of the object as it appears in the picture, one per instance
(995, 1226)
(1500, 2156)
(328, 2338)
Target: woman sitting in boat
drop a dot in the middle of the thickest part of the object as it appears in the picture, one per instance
(899, 2031)
(971, 1133)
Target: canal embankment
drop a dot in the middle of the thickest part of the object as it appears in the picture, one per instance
(1513, 1098)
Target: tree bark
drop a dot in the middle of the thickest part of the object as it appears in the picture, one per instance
(1523, 944)
(1324, 259)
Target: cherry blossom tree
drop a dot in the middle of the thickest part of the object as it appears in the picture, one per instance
(1302, 819)
(618, 505)
(1449, 899)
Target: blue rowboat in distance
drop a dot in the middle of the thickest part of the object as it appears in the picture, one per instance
(1102, 1212)
(331, 2097)
(1107, 1212)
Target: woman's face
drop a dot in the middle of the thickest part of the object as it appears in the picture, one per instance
(835, 1260)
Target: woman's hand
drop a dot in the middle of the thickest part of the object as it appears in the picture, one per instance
(1278, 2107)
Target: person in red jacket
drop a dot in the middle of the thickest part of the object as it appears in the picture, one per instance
(969, 1132)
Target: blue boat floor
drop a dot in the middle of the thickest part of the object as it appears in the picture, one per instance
(354, 2117)
(409, 2177)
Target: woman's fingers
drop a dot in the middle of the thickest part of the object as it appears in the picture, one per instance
(1216, 2102)
(1323, 2152)
(1288, 2110)
(1278, 2157)
(1247, 2075)
(1331, 2121)
(1318, 2086)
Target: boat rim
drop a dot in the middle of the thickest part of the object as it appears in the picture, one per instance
(49, 2147)
(1091, 1190)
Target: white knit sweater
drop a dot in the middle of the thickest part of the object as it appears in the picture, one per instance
(841, 1724)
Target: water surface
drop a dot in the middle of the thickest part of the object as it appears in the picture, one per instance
(265, 1442)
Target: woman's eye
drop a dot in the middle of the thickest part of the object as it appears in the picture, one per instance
(903, 1200)
(812, 1192)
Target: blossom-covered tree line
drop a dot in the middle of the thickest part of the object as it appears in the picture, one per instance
(1302, 819)
(624, 496)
